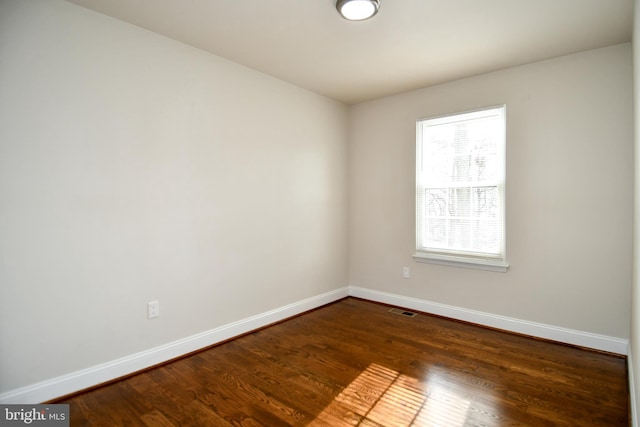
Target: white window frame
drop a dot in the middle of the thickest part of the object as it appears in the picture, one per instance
(449, 256)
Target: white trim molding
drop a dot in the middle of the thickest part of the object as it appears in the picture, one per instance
(540, 330)
(487, 264)
(95, 375)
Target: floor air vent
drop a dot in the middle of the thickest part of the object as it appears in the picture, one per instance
(402, 312)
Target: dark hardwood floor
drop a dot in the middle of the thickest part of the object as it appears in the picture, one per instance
(353, 363)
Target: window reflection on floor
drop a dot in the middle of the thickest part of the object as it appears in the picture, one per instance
(380, 396)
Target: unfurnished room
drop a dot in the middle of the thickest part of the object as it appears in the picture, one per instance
(319, 213)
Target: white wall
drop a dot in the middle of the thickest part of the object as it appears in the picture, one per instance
(569, 193)
(634, 351)
(134, 168)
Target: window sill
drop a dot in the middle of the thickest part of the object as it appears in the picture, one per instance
(478, 263)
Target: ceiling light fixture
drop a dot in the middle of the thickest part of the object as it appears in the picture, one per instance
(357, 10)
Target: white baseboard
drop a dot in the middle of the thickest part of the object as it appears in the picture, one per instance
(540, 330)
(80, 380)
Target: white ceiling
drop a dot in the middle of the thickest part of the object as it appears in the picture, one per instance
(409, 44)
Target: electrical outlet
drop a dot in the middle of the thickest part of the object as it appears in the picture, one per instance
(406, 273)
(153, 309)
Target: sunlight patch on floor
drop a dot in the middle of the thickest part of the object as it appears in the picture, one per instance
(380, 396)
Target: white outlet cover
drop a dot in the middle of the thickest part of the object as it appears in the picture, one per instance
(153, 309)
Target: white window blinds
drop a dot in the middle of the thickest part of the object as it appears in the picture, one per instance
(460, 187)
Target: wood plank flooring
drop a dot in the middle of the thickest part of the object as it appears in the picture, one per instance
(353, 363)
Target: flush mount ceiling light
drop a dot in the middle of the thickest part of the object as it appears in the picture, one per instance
(357, 10)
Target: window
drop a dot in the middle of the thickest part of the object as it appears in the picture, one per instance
(460, 174)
